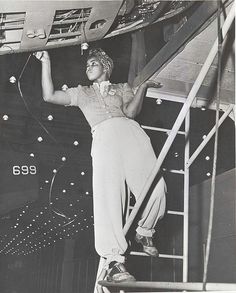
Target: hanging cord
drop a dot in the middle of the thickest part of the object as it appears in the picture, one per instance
(84, 41)
(26, 105)
(56, 211)
(213, 181)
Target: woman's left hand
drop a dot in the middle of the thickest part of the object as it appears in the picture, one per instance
(152, 83)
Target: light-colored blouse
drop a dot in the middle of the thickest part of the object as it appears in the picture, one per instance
(98, 105)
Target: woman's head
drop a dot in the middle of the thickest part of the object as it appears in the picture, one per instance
(98, 64)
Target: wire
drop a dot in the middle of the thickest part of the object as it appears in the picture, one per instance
(6, 46)
(213, 181)
(26, 105)
(68, 14)
(56, 211)
(83, 33)
(71, 29)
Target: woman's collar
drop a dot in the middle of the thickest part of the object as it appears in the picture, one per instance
(103, 83)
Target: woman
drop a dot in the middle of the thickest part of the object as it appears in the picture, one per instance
(121, 152)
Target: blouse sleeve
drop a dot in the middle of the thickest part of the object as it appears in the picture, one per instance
(128, 94)
(75, 95)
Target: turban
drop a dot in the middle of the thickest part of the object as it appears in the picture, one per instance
(102, 56)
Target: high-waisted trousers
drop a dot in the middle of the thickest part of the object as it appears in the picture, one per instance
(122, 152)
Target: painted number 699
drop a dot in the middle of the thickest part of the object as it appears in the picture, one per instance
(24, 170)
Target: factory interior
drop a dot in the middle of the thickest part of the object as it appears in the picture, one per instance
(46, 194)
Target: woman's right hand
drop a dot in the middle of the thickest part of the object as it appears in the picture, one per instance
(42, 56)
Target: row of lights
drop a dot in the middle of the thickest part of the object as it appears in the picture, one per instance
(26, 245)
(66, 231)
(5, 117)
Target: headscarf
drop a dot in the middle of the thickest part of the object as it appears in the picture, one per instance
(102, 56)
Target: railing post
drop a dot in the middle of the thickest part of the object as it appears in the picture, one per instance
(186, 198)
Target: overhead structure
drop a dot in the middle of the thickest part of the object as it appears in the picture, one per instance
(36, 25)
(31, 25)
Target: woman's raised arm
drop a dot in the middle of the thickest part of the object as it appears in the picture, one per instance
(133, 107)
(49, 94)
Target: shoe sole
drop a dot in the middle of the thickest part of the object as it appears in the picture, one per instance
(121, 281)
(129, 278)
(140, 242)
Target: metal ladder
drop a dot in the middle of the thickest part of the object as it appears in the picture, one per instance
(185, 212)
(184, 115)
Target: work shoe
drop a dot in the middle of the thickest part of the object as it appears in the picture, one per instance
(148, 246)
(117, 273)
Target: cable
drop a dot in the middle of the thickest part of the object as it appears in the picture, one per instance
(67, 14)
(56, 211)
(26, 105)
(213, 181)
(71, 29)
(6, 46)
(83, 33)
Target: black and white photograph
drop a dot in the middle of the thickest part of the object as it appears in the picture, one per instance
(117, 146)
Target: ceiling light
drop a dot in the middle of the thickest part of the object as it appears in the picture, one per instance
(84, 46)
(64, 87)
(12, 79)
(158, 101)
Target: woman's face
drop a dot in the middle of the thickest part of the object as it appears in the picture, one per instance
(94, 69)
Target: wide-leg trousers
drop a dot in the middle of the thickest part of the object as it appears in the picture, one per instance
(122, 152)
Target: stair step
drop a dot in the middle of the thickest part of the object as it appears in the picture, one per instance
(160, 129)
(173, 171)
(175, 213)
(197, 286)
(170, 212)
(140, 253)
